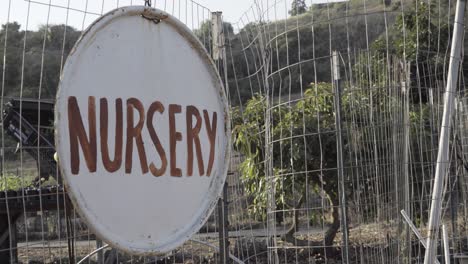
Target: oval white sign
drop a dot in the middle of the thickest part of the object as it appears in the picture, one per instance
(142, 130)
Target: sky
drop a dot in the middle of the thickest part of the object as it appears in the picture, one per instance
(81, 13)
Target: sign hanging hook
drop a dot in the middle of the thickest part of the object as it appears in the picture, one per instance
(148, 3)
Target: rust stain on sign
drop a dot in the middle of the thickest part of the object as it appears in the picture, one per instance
(149, 14)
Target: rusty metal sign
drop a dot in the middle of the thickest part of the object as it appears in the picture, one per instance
(142, 130)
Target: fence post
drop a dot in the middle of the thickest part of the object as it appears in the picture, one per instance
(217, 33)
(219, 56)
(8, 241)
(406, 148)
(223, 228)
(100, 255)
(339, 156)
(443, 152)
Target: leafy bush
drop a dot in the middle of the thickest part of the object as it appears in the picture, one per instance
(11, 182)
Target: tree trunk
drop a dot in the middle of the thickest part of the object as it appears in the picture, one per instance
(330, 234)
(332, 230)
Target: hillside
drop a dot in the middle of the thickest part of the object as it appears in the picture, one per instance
(308, 38)
(299, 47)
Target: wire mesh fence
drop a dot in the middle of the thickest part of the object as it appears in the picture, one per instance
(336, 113)
(38, 221)
(339, 148)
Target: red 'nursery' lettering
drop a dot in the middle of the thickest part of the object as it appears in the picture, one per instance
(137, 117)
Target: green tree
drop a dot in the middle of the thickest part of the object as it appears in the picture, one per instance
(44, 53)
(296, 160)
(416, 35)
(421, 40)
(298, 7)
(13, 36)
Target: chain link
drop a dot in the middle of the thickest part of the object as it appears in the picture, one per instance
(147, 2)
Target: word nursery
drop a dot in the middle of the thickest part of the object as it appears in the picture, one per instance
(137, 119)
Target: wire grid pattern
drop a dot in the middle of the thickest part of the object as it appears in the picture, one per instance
(279, 79)
(42, 225)
(393, 60)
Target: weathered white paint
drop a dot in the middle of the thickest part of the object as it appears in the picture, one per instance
(125, 55)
